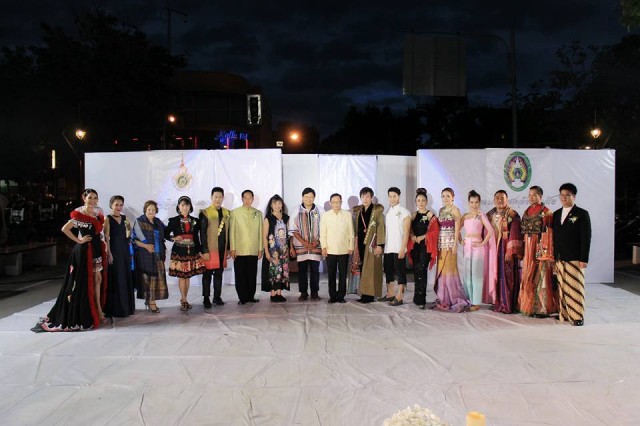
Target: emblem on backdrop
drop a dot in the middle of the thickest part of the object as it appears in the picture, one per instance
(182, 179)
(517, 171)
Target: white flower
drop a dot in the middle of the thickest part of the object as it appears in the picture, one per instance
(573, 219)
(415, 415)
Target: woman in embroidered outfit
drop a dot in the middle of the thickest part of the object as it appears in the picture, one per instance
(214, 236)
(79, 303)
(370, 238)
(537, 297)
(186, 261)
(117, 233)
(449, 291)
(479, 251)
(424, 236)
(275, 265)
(148, 236)
(506, 226)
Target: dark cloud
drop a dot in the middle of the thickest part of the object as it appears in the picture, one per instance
(315, 59)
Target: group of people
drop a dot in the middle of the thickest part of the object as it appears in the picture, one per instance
(509, 262)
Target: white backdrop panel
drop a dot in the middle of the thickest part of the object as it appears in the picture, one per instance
(592, 171)
(299, 171)
(542, 171)
(164, 166)
(399, 171)
(346, 175)
(259, 170)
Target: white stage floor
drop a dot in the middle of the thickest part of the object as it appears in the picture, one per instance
(310, 363)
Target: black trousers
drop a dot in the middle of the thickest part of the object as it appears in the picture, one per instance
(337, 263)
(394, 267)
(246, 272)
(303, 267)
(217, 282)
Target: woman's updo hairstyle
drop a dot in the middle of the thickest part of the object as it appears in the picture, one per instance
(421, 191)
(473, 194)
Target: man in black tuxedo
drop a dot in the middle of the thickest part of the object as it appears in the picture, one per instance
(571, 243)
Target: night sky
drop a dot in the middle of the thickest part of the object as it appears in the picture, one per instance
(314, 60)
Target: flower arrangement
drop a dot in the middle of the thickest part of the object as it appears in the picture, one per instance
(127, 228)
(573, 219)
(220, 227)
(415, 415)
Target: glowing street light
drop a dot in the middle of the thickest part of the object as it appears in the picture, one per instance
(595, 132)
(171, 118)
(80, 134)
(294, 136)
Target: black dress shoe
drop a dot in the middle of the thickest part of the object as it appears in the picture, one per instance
(342, 301)
(366, 299)
(303, 297)
(254, 300)
(314, 296)
(578, 323)
(218, 301)
(332, 301)
(281, 298)
(274, 298)
(241, 303)
(207, 303)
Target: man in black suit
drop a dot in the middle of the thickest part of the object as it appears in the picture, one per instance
(571, 242)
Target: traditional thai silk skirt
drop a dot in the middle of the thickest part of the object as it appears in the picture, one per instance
(185, 260)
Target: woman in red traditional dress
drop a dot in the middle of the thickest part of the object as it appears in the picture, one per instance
(83, 293)
(537, 297)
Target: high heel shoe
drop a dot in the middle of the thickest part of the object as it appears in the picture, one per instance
(184, 306)
(153, 307)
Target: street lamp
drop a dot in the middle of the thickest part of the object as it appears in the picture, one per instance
(595, 132)
(171, 119)
(80, 135)
(294, 136)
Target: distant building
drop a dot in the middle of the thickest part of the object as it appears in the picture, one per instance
(214, 111)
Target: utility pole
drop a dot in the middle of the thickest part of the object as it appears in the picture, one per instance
(171, 11)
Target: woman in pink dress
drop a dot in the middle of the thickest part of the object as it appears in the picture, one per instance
(479, 249)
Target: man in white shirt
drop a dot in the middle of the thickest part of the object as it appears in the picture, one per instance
(336, 240)
(398, 221)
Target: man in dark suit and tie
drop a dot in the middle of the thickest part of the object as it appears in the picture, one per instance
(571, 243)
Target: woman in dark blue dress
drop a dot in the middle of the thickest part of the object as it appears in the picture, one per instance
(117, 233)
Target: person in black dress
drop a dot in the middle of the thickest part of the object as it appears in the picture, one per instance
(186, 259)
(117, 233)
(82, 296)
(424, 235)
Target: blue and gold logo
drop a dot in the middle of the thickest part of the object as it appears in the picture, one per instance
(517, 171)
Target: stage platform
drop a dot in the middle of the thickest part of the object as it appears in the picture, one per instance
(311, 363)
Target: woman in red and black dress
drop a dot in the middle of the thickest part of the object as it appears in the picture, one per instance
(186, 260)
(82, 296)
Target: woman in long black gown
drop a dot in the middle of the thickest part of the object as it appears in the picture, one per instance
(82, 296)
(117, 232)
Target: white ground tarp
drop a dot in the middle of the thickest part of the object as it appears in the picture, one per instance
(311, 363)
